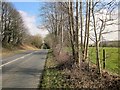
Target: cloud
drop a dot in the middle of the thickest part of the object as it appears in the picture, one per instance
(30, 23)
(48, 0)
(111, 28)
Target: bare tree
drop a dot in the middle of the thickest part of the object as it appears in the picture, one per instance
(12, 28)
(99, 24)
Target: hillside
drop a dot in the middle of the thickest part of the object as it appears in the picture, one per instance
(6, 52)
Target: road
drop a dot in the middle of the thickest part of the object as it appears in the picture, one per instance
(23, 70)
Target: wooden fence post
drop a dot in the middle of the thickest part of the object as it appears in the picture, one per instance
(104, 57)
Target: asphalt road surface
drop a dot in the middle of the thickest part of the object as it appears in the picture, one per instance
(23, 70)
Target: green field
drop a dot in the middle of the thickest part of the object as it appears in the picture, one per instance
(112, 58)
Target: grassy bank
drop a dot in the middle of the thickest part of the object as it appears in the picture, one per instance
(112, 57)
(4, 52)
(52, 77)
(8, 52)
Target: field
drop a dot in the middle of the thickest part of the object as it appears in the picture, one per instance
(112, 58)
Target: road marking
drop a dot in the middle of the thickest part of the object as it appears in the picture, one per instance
(17, 59)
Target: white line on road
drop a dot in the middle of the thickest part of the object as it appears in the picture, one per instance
(17, 59)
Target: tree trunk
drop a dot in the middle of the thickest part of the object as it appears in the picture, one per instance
(87, 43)
(97, 57)
(81, 25)
(97, 43)
(72, 34)
(86, 27)
(77, 36)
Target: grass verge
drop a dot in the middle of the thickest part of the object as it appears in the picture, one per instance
(5, 52)
(52, 77)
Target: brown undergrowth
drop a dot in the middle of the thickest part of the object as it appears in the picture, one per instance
(82, 78)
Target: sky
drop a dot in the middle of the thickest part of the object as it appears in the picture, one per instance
(30, 14)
